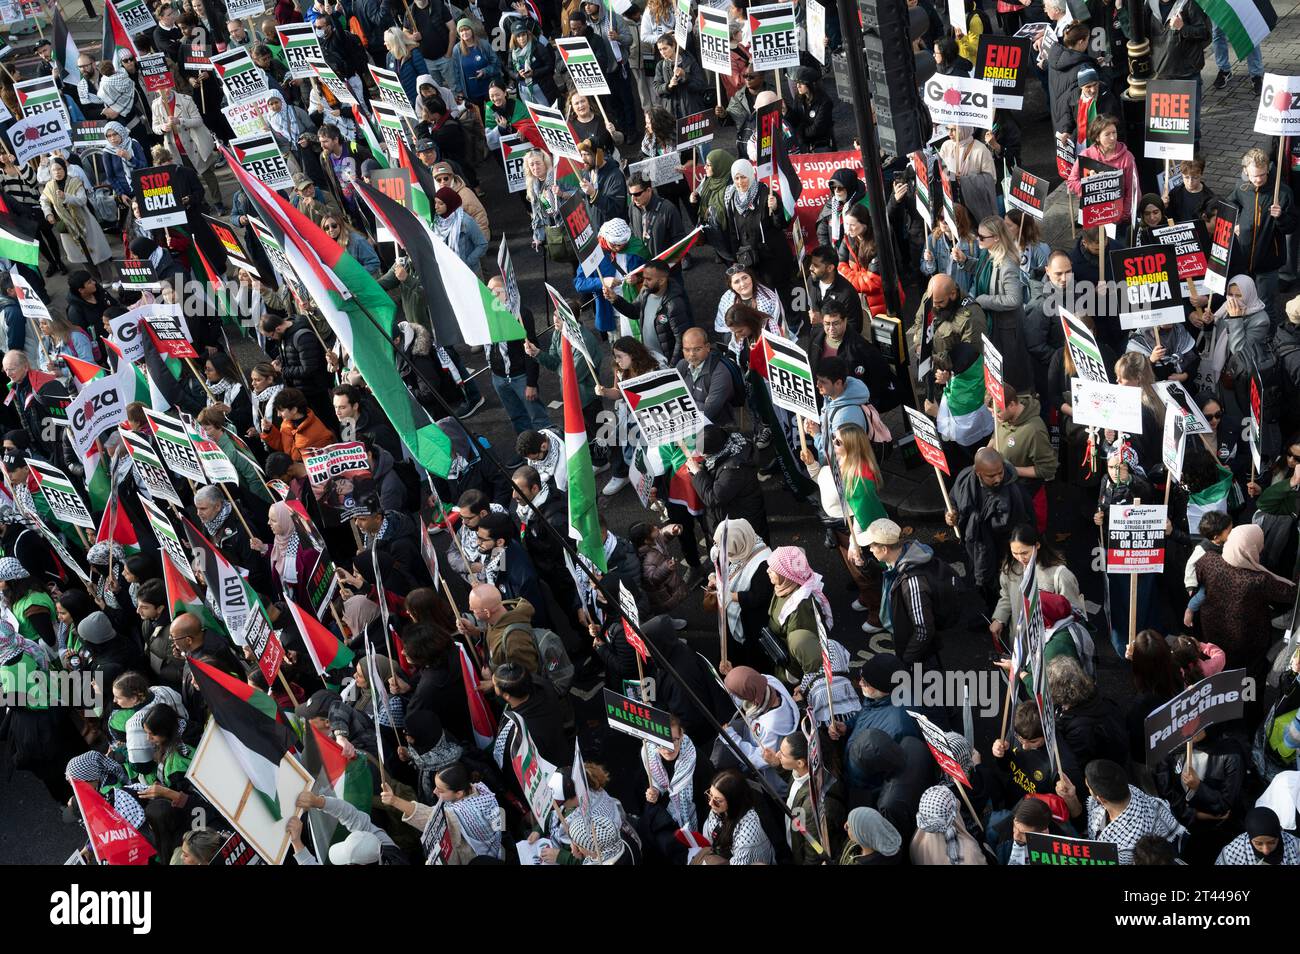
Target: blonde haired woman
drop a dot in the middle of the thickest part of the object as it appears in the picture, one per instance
(1134, 370)
(861, 478)
(406, 60)
(64, 202)
(997, 288)
(60, 337)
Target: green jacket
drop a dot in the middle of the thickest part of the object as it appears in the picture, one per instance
(15, 677)
(800, 633)
(1025, 441)
(410, 295)
(586, 385)
(1279, 498)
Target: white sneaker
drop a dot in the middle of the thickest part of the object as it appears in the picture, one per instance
(858, 607)
(614, 486)
(871, 630)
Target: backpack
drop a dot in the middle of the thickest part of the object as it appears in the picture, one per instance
(737, 379)
(949, 593)
(556, 666)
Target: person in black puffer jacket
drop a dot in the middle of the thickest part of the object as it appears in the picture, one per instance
(727, 479)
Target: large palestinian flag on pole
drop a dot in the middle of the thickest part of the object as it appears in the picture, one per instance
(461, 309)
(1244, 22)
(327, 653)
(359, 311)
(250, 722)
(64, 52)
(584, 522)
(114, 35)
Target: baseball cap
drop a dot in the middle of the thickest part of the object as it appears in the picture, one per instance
(883, 531)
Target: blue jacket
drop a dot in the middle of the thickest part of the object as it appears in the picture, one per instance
(468, 86)
(364, 253)
(472, 244)
(15, 324)
(882, 714)
(409, 72)
(845, 409)
(119, 171)
(606, 319)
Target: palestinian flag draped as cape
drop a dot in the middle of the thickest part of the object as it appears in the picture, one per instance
(963, 415)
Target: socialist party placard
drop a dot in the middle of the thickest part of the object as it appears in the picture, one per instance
(155, 190)
(1153, 293)
(1135, 538)
(1182, 238)
(1004, 61)
(1170, 119)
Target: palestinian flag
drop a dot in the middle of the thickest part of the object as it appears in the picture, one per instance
(461, 309)
(422, 185)
(116, 527)
(327, 653)
(113, 839)
(669, 459)
(359, 312)
(584, 525)
(83, 372)
(674, 254)
(348, 779)
(115, 35)
(481, 719)
(250, 722)
(1244, 22)
(374, 141)
(963, 413)
(1211, 498)
(65, 52)
(224, 581)
(17, 243)
(183, 598)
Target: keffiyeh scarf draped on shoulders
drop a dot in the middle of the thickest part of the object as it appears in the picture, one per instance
(937, 814)
(478, 814)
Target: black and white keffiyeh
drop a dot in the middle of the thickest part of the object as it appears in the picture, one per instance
(749, 843)
(681, 786)
(1145, 815)
(479, 815)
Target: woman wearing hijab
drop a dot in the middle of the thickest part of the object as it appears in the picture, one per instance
(391, 707)
(1262, 843)
(125, 155)
(1236, 615)
(1150, 216)
(756, 228)
(872, 839)
(972, 171)
(1240, 335)
(360, 617)
(459, 231)
(292, 554)
(746, 588)
(64, 201)
(710, 200)
(176, 118)
(767, 715)
(941, 837)
(291, 127)
(793, 615)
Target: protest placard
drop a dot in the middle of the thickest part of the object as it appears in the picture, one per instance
(1216, 261)
(1171, 112)
(582, 66)
(1153, 293)
(155, 480)
(241, 78)
(937, 741)
(789, 376)
(155, 191)
(37, 135)
(696, 130)
(1214, 700)
(1171, 443)
(168, 330)
(927, 439)
(554, 130)
(1102, 201)
(577, 221)
(1175, 395)
(1005, 62)
(513, 151)
(61, 494)
(154, 72)
(1084, 350)
(299, 44)
(1278, 113)
(174, 448)
(1048, 849)
(773, 39)
(341, 480)
(392, 92)
(715, 40)
(663, 406)
(1182, 238)
(958, 100)
(1135, 538)
(1027, 192)
(249, 117)
(261, 157)
(993, 374)
(637, 719)
(1115, 407)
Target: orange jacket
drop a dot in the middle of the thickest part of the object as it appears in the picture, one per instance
(292, 439)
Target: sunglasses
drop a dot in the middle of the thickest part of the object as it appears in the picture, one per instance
(1215, 416)
(637, 194)
(985, 238)
(735, 270)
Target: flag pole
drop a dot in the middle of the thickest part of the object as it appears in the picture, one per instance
(572, 550)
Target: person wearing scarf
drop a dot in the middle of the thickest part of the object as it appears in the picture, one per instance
(797, 598)
(1262, 843)
(710, 197)
(726, 477)
(1239, 593)
(846, 190)
(755, 228)
(760, 298)
(1245, 318)
(1175, 358)
(459, 231)
(1106, 147)
(107, 778)
(358, 613)
(672, 773)
(64, 202)
(292, 555)
(872, 839)
(972, 171)
(530, 63)
(106, 554)
(767, 715)
(1150, 216)
(186, 136)
(40, 738)
(291, 126)
(941, 837)
(125, 155)
(740, 558)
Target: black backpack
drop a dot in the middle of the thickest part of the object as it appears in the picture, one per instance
(737, 378)
(949, 593)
